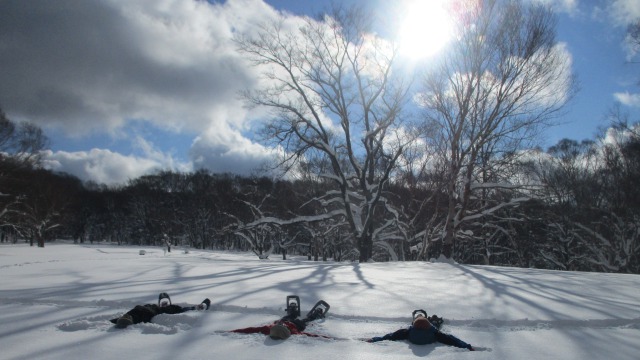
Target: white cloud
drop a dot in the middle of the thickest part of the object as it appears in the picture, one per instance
(217, 151)
(104, 166)
(624, 12)
(153, 153)
(226, 150)
(616, 137)
(619, 14)
(92, 67)
(558, 87)
(568, 6)
(628, 99)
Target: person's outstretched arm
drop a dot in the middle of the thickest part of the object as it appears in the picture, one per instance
(402, 334)
(177, 309)
(253, 330)
(452, 340)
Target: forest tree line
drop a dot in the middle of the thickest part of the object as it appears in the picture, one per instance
(582, 214)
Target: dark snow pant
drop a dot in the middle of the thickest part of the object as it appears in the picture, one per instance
(141, 313)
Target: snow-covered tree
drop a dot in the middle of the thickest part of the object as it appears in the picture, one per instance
(333, 95)
(503, 79)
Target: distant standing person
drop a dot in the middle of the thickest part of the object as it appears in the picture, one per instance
(422, 332)
(167, 242)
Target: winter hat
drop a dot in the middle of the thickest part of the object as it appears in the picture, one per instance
(421, 323)
(279, 332)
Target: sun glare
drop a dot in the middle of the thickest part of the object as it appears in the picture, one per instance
(425, 29)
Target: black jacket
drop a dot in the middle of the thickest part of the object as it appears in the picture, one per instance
(144, 313)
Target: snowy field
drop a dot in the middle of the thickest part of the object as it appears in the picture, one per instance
(55, 303)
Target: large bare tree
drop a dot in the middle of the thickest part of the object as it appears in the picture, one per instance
(503, 80)
(333, 95)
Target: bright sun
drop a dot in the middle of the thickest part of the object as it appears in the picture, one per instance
(426, 27)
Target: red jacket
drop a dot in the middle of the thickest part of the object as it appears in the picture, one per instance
(265, 329)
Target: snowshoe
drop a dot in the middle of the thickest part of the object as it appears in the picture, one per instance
(293, 306)
(124, 321)
(436, 321)
(204, 305)
(164, 300)
(279, 332)
(318, 311)
(417, 313)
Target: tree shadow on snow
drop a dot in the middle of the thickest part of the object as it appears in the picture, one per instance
(550, 292)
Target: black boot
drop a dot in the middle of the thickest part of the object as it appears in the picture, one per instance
(124, 321)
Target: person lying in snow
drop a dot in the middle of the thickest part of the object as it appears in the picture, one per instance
(290, 324)
(423, 331)
(144, 313)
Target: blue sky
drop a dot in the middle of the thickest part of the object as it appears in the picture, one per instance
(127, 88)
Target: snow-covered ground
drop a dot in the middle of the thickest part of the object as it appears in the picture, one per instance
(55, 303)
